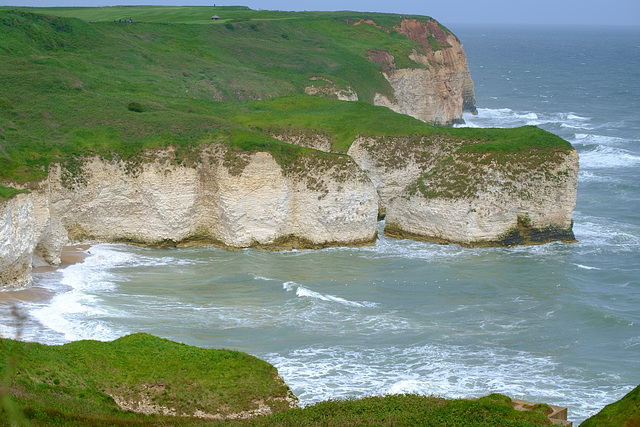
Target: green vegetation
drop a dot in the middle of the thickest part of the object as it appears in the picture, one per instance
(135, 106)
(408, 410)
(623, 413)
(8, 192)
(77, 84)
(75, 384)
(516, 152)
(434, 43)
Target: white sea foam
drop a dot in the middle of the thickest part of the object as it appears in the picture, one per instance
(608, 157)
(75, 317)
(590, 139)
(598, 234)
(506, 117)
(586, 267)
(303, 292)
(256, 277)
(412, 249)
(527, 116)
(321, 373)
(575, 126)
(588, 176)
(576, 117)
(75, 311)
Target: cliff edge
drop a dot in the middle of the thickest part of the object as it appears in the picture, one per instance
(435, 186)
(145, 149)
(451, 190)
(440, 89)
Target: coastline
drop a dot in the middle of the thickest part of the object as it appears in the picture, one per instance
(71, 254)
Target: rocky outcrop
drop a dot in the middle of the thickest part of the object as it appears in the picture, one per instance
(393, 163)
(430, 187)
(440, 88)
(17, 230)
(509, 212)
(29, 235)
(321, 86)
(436, 89)
(232, 200)
(431, 190)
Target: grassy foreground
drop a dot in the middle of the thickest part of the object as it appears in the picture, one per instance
(79, 383)
(75, 384)
(74, 83)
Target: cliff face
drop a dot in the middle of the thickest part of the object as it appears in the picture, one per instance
(232, 200)
(29, 235)
(393, 164)
(428, 187)
(529, 208)
(439, 91)
(17, 241)
(251, 201)
(431, 190)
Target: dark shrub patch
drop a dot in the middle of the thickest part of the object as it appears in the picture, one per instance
(135, 106)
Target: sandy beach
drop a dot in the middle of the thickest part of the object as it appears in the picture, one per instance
(71, 254)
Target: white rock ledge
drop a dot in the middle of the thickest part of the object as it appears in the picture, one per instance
(323, 200)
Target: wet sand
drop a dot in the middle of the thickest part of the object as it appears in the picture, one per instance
(71, 254)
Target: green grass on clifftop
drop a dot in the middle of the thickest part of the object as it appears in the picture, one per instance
(74, 383)
(70, 77)
(8, 192)
(408, 410)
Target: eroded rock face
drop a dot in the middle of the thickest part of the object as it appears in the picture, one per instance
(232, 200)
(29, 235)
(321, 86)
(439, 92)
(17, 242)
(428, 187)
(503, 213)
(110, 203)
(431, 191)
(256, 203)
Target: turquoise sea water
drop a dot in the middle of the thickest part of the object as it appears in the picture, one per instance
(557, 323)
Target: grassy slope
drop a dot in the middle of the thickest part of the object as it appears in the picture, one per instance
(67, 385)
(623, 413)
(73, 382)
(67, 83)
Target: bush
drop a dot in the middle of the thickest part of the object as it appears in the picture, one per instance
(135, 106)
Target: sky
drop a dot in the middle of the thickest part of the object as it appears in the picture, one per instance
(563, 12)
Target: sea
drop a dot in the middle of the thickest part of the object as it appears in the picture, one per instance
(556, 323)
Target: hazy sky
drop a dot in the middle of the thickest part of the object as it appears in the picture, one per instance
(582, 12)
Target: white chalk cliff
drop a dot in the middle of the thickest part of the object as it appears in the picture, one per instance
(252, 201)
(431, 191)
(425, 185)
(29, 236)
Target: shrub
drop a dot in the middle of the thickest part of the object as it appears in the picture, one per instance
(135, 106)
